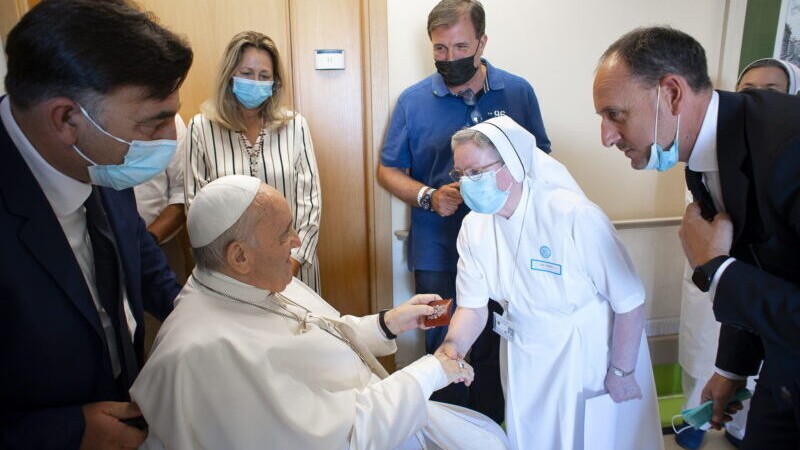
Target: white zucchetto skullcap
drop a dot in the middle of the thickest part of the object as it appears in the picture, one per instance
(218, 206)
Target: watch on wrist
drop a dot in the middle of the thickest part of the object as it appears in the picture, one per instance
(385, 328)
(703, 275)
(426, 201)
(619, 372)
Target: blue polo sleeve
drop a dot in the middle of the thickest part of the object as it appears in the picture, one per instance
(536, 125)
(396, 150)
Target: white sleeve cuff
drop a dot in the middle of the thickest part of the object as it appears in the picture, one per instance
(730, 375)
(429, 373)
(713, 290)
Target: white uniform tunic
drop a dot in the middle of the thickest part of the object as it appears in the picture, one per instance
(558, 263)
(227, 375)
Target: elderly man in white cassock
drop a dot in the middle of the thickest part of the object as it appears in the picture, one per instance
(253, 358)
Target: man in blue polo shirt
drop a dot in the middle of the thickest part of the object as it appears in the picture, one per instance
(416, 161)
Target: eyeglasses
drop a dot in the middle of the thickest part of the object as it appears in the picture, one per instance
(474, 115)
(472, 174)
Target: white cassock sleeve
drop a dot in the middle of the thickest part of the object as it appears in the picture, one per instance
(228, 395)
(605, 259)
(370, 334)
(471, 285)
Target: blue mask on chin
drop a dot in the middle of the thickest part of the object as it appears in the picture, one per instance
(251, 93)
(483, 196)
(660, 159)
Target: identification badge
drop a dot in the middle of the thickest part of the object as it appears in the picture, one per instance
(545, 266)
(503, 327)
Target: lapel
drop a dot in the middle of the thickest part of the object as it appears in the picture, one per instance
(40, 231)
(731, 155)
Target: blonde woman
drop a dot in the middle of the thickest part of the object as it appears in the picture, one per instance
(245, 130)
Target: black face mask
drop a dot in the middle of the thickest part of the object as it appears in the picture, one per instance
(459, 71)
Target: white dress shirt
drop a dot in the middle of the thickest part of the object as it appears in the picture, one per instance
(66, 196)
(704, 159)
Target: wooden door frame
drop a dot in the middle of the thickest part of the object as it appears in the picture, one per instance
(375, 54)
(375, 39)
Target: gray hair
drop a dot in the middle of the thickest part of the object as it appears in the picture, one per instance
(212, 256)
(477, 138)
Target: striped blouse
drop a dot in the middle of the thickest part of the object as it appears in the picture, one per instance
(286, 162)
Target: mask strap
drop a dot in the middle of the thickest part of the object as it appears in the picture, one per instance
(677, 431)
(100, 128)
(658, 102)
(84, 156)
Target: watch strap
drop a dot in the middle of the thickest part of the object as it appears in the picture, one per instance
(621, 373)
(385, 328)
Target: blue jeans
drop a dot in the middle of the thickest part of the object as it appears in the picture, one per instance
(485, 395)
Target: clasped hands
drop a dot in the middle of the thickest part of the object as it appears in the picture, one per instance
(412, 314)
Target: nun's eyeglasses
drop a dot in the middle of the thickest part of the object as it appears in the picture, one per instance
(472, 174)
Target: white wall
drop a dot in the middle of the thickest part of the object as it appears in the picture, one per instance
(555, 45)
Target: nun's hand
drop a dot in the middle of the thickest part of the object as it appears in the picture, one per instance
(446, 199)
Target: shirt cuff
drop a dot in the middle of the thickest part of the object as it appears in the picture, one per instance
(730, 375)
(713, 290)
(429, 373)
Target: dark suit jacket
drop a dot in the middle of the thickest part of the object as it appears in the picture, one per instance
(758, 151)
(53, 352)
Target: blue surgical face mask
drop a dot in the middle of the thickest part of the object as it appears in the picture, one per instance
(483, 196)
(251, 93)
(144, 160)
(660, 159)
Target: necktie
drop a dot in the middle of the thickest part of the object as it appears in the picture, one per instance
(694, 181)
(108, 279)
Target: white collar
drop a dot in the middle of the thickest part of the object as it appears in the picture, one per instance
(704, 153)
(220, 282)
(64, 193)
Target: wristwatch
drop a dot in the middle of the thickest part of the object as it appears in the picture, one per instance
(619, 372)
(425, 200)
(704, 274)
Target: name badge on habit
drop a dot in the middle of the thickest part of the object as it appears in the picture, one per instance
(544, 266)
(503, 327)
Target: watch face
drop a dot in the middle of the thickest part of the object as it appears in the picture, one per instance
(425, 201)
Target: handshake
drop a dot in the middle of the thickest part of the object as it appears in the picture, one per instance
(428, 311)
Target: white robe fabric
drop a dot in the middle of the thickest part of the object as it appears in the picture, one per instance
(227, 375)
(560, 267)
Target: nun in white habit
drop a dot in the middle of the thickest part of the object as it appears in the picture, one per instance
(573, 322)
(770, 73)
(252, 358)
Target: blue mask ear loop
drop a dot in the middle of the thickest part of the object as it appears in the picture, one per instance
(705, 426)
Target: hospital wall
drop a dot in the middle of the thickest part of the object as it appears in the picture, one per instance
(555, 45)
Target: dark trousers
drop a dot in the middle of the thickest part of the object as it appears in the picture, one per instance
(771, 427)
(485, 395)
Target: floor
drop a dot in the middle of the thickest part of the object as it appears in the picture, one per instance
(714, 440)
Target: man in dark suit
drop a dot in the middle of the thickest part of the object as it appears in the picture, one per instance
(742, 234)
(92, 94)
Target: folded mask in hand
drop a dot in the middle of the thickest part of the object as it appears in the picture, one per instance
(699, 417)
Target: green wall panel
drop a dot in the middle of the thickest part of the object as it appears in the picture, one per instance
(760, 27)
